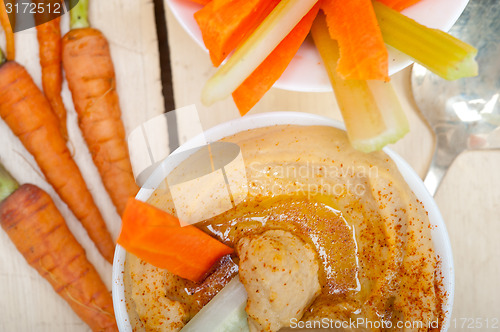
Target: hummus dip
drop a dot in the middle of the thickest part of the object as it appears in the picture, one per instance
(359, 243)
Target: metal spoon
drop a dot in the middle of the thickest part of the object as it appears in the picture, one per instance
(464, 114)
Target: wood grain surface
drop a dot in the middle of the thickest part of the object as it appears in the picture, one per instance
(27, 302)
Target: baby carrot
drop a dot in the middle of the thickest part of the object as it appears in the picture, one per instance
(49, 41)
(30, 218)
(28, 114)
(91, 79)
(7, 28)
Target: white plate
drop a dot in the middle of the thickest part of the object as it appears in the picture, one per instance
(306, 73)
(439, 233)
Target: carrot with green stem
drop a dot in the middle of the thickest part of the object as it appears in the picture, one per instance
(28, 114)
(38, 230)
(49, 43)
(91, 79)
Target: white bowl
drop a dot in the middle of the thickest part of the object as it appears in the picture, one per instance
(439, 233)
(306, 72)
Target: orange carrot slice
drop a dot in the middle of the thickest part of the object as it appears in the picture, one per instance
(201, 2)
(268, 72)
(363, 54)
(158, 238)
(399, 5)
(225, 23)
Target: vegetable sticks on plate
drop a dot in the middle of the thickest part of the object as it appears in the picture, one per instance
(262, 79)
(363, 54)
(225, 24)
(256, 48)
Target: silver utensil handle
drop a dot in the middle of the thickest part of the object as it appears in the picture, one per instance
(444, 155)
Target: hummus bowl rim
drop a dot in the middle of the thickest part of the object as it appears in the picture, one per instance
(439, 233)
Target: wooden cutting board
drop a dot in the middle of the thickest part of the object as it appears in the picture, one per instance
(27, 302)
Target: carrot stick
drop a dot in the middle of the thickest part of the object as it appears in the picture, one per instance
(268, 72)
(38, 230)
(399, 5)
(91, 78)
(49, 41)
(363, 54)
(255, 49)
(28, 114)
(157, 237)
(202, 2)
(371, 111)
(9, 33)
(225, 23)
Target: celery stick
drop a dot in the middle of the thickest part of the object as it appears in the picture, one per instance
(224, 313)
(392, 112)
(371, 110)
(434, 49)
(275, 27)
